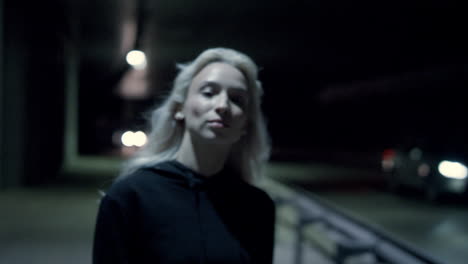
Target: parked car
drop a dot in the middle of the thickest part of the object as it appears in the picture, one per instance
(434, 172)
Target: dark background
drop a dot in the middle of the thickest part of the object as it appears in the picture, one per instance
(339, 76)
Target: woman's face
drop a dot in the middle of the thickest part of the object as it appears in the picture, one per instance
(216, 104)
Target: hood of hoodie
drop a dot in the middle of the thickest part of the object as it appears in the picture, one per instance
(194, 180)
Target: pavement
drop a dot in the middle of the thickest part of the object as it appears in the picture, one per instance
(54, 224)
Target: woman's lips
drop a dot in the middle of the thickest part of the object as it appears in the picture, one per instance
(217, 124)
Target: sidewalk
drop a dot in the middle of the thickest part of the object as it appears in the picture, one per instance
(54, 225)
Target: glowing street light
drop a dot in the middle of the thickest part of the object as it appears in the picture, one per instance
(137, 59)
(130, 139)
(139, 139)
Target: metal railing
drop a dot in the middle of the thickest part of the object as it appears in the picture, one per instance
(347, 237)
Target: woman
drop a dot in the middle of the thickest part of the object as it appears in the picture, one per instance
(187, 197)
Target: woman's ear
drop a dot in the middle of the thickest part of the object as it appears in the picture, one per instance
(177, 110)
(179, 116)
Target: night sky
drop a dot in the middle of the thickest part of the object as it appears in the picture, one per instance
(337, 75)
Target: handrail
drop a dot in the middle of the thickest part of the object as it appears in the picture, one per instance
(353, 236)
(387, 241)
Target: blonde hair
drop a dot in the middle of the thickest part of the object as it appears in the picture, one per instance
(165, 136)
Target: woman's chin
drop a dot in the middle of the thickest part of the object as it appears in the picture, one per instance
(219, 139)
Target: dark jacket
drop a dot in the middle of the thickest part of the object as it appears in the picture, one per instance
(171, 214)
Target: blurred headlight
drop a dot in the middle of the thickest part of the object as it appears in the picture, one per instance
(130, 139)
(388, 165)
(452, 169)
(424, 170)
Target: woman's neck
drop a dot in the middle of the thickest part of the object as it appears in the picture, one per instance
(206, 159)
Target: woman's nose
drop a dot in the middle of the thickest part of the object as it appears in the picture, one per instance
(222, 104)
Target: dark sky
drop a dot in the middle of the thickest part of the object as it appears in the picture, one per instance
(337, 74)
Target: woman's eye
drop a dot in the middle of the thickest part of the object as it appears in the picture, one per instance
(239, 100)
(207, 93)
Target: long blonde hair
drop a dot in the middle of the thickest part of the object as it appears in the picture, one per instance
(165, 136)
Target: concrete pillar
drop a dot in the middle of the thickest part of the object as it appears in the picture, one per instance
(71, 105)
(12, 98)
(31, 91)
(1, 92)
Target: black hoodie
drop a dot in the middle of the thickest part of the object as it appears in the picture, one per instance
(172, 214)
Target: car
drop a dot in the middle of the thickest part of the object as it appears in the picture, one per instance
(435, 172)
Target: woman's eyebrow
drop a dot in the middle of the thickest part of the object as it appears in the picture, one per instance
(215, 84)
(239, 90)
(212, 83)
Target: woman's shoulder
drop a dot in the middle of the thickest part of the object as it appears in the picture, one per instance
(124, 186)
(137, 181)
